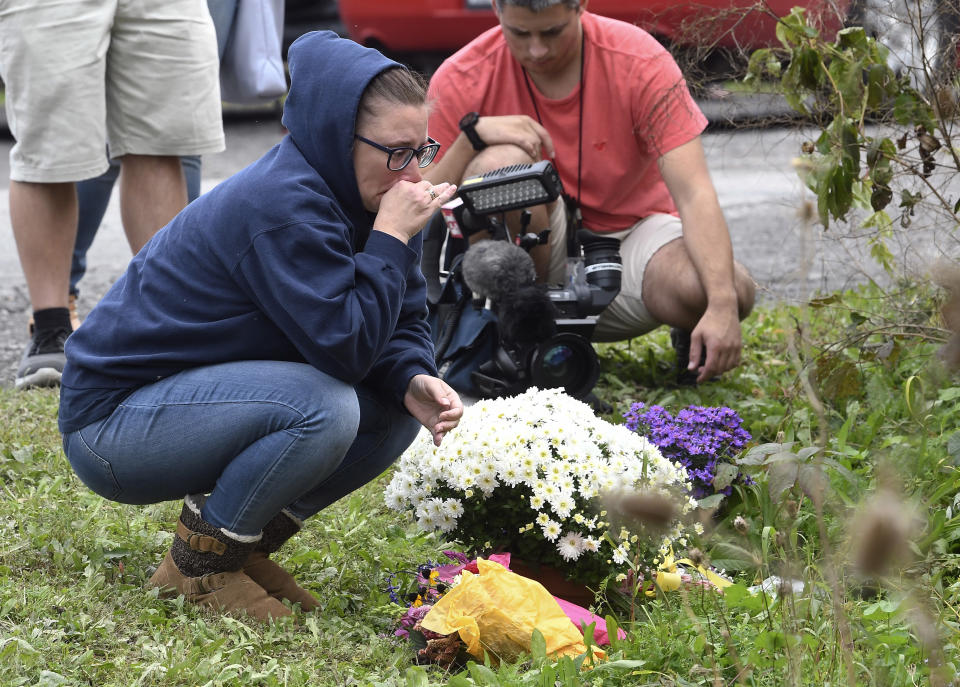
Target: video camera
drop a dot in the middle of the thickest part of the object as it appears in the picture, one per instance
(544, 332)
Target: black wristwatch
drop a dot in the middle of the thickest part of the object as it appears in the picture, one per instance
(468, 125)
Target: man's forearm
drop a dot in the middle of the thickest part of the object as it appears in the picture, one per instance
(708, 243)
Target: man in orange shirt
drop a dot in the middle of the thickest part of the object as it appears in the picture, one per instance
(610, 107)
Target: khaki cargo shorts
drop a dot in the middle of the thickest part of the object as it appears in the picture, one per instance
(626, 316)
(140, 76)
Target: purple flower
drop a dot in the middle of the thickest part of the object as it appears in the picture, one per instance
(698, 438)
(413, 615)
(457, 556)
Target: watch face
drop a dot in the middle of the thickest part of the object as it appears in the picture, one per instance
(469, 119)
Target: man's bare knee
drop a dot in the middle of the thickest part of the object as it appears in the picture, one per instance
(495, 157)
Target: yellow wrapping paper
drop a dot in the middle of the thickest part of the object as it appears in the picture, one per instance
(497, 611)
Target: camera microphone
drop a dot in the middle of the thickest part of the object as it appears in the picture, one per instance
(504, 273)
(497, 269)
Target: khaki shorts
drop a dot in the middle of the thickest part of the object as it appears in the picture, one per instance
(626, 316)
(141, 76)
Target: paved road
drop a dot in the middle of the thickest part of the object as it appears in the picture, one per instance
(758, 189)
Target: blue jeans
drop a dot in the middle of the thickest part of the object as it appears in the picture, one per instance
(259, 436)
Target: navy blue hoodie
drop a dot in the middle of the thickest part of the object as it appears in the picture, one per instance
(276, 263)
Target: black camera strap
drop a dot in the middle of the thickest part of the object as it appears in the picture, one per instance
(450, 305)
(572, 204)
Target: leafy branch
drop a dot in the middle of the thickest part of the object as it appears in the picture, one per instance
(846, 84)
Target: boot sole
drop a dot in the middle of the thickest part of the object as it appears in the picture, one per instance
(44, 377)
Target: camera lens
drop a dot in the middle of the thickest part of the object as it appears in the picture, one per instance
(601, 260)
(565, 360)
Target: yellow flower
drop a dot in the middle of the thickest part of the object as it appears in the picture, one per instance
(668, 576)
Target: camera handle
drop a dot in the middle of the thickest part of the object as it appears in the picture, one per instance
(498, 228)
(525, 217)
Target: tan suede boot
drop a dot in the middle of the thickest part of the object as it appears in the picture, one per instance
(277, 582)
(203, 565)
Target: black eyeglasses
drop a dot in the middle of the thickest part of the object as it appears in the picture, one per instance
(398, 158)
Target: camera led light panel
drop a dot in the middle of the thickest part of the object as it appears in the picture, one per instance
(498, 198)
(511, 188)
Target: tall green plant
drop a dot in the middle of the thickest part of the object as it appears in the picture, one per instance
(843, 85)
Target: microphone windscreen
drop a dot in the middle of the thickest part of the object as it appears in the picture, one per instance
(495, 269)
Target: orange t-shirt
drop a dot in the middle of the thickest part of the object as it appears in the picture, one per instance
(636, 107)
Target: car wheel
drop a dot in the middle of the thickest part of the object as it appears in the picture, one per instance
(921, 36)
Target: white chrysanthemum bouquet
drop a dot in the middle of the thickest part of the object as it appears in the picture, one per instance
(525, 474)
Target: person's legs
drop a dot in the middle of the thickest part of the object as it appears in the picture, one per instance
(152, 192)
(385, 431)
(93, 197)
(673, 293)
(257, 435)
(181, 70)
(192, 167)
(44, 219)
(94, 194)
(660, 285)
(261, 436)
(59, 128)
(60, 135)
(276, 581)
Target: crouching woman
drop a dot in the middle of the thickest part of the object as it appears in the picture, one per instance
(266, 352)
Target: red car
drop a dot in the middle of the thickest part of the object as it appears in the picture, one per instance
(407, 26)
(423, 32)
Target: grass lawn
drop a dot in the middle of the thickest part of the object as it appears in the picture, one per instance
(855, 375)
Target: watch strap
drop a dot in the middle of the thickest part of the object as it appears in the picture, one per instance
(468, 127)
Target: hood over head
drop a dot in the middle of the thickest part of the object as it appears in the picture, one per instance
(328, 75)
